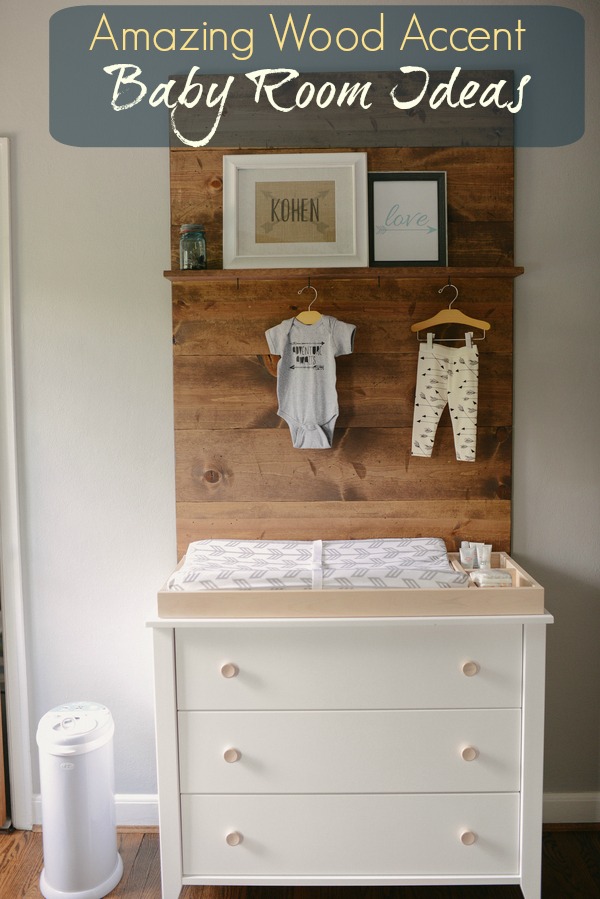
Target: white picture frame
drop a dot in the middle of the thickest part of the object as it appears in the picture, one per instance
(295, 210)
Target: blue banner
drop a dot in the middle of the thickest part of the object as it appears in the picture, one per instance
(112, 68)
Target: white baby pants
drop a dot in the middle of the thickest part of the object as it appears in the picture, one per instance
(446, 375)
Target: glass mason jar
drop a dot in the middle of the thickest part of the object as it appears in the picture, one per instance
(192, 247)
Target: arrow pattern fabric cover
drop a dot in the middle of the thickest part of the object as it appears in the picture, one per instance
(419, 562)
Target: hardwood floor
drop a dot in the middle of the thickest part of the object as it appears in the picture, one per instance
(571, 870)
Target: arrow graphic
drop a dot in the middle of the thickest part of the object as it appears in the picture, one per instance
(381, 229)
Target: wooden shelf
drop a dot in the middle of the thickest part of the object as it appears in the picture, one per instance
(341, 274)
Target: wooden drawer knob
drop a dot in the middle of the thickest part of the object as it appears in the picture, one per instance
(470, 669)
(232, 755)
(234, 838)
(469, 753)
(230, 670)
(467, 838)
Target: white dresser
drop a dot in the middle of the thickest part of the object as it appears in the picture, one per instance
(404, 750)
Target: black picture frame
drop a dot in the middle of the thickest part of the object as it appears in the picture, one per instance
(407, 219)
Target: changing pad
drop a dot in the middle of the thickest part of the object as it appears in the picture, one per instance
(419, 562)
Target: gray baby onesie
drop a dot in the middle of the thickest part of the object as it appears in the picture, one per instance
(306, 376)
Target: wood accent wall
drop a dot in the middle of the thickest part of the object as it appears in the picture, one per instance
(236, 470)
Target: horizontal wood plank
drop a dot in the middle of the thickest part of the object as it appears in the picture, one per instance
(451, 520)
(403, 300)
(386, 334)
(491, 242)
(231, 392)
(364, 464)
(479, 182)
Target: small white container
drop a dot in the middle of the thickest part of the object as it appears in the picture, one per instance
(484, 555)
(467, 555)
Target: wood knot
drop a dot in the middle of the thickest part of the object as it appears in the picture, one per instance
(503, 491)
(204, 474)
(270, 363)
(216, 183)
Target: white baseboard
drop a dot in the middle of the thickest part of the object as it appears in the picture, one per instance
(131, 809)
(571, 808)
(141, 809)
(136, 809)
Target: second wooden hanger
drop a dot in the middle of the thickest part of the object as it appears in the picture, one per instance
(451, 316)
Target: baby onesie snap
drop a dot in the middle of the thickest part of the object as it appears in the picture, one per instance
(446, 375)
(306, 376)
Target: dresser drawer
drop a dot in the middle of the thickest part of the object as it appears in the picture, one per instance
(350, 835)
(379, 667)
(349, 751)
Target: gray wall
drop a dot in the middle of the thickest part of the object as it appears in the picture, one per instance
(556, 508)
(95, 414)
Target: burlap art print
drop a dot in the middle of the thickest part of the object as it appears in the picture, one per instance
(295, 212)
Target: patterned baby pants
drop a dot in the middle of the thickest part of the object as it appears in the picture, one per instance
(446, 375)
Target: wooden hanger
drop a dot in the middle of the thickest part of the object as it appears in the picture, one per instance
(451, 316)
(309, 316)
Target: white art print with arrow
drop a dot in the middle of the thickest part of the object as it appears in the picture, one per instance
(407, 218)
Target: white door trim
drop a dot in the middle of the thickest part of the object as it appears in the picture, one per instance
(11, 583)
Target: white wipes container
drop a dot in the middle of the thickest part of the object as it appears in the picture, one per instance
(79, 834)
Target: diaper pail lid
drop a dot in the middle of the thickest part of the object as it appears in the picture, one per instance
(74, 728)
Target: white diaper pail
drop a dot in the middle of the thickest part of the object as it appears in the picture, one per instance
(79, 833)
